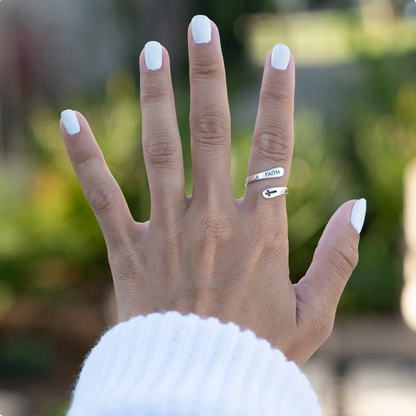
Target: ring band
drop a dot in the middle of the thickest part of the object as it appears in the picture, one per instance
(274, 192)
(272, 173)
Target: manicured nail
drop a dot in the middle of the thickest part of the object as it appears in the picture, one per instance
(201, 29)
(153, 55)
(280, 56)
(358, 214)
(71, 123)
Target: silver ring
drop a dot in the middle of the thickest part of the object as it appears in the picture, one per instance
(272, 173)
(274, 192)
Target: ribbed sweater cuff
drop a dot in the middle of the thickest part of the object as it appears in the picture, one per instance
(172, 364)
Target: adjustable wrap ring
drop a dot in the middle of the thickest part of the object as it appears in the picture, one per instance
(274, 192)
(272, 173)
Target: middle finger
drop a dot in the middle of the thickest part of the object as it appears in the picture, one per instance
(210, 114)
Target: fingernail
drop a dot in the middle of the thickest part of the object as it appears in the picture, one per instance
(358, 214)
(71, 123)
(280, 56)
(201, 29)
(153, 55)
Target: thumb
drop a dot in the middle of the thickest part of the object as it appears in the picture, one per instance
(335, 258)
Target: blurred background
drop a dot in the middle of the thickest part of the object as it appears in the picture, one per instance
(355, 136)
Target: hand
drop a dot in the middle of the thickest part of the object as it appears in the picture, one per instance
(209, 253)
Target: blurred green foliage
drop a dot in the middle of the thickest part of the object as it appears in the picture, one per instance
(329, 37)
(26, 355)
(57, 408)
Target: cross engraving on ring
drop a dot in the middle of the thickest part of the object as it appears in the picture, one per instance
(268, 193)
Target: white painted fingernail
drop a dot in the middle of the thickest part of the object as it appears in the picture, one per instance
(280, 56)
(358, 214)
(201, 29)
(71, 123)
(153, 55)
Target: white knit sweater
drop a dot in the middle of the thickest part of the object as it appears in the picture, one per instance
(183, 365)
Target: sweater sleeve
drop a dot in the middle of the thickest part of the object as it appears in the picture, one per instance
(168, 364)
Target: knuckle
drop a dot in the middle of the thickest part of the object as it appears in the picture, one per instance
(277, 93)
(160, 149)
(316, 321)
(204, 68)
(344, 258)
(267, 233)
(102, 198)
(216, 228)
(273, 143)
(324, 325)
(84, 157)
(210, 129)
(320, 324)
(153, 92)
(122, 250)
(126, 259)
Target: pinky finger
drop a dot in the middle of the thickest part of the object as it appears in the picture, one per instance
(100, 188)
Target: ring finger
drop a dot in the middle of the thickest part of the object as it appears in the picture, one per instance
(273, 134)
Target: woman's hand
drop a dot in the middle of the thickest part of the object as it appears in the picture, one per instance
(209, 253)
